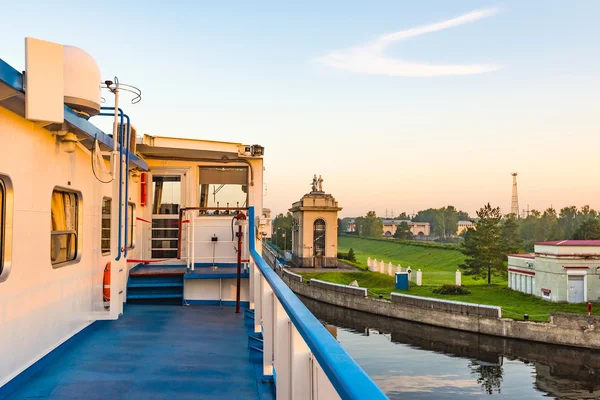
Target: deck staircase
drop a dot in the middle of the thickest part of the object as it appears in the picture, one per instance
(155, 289)
(255, 340)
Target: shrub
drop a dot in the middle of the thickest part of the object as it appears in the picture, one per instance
(451, 289)
(351, 255)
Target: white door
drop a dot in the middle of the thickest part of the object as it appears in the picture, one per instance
(167, 194)
(576, 294)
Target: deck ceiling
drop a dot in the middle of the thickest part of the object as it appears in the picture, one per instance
(171, 153)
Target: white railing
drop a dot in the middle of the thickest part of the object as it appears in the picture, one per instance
(307, 362)
(200, 248)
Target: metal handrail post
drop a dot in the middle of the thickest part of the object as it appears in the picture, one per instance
(193, 241)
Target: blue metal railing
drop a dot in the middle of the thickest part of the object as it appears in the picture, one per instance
(346, 376)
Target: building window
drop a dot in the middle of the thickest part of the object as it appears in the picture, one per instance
(6, 211)
(106, 215)
(167, 194)
(546, 294)
(319, 238)
(223, 187)
(131, 226)
(65, 219)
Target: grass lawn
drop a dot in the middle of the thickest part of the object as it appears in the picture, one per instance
(514, 304)
(438, 265)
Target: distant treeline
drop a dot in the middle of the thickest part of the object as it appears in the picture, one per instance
(443, 222)
(569, 223)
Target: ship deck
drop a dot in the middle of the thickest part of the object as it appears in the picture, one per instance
(153, 352)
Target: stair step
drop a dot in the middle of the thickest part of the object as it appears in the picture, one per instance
(154, 284)
(256, 349)
(255, 343)
(155, 279)
(254, 338)
(154, 296)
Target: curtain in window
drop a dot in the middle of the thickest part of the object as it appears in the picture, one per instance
(1, 224)
(59, 219)
(63, 247)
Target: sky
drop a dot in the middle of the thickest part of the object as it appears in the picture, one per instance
(399, 105)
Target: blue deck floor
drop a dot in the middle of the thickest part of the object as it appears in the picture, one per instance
(155, 352)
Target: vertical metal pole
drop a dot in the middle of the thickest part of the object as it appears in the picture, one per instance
(193, 241)
(239, 270)
(187, 245)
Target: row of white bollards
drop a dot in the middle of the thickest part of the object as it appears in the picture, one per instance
(388, 269)
(381, 267)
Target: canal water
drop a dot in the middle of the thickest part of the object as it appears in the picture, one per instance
(413, 361)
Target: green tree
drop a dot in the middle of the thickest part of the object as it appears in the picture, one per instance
(370, 225)
(484, 256)
(510, 241)
(463, 216)
(444, 221)
(587, 212)
(403, 216)
(403, 231)
(450, 218)
(588, 230)
(282, 231)
(351, 255)
(567, 220)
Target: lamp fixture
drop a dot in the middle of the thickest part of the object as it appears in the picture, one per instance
(68, 142)
(135, 176)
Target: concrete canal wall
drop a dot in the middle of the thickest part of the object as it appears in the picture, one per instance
(563, 329)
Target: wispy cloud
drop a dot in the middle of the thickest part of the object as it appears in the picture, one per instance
(369, 58)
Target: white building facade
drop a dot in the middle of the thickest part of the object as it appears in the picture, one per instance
(559, 271)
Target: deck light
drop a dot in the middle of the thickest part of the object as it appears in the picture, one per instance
(135, 176)
(258, 151)
(69, 140)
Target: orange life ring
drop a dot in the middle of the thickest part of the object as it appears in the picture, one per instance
(106, 282)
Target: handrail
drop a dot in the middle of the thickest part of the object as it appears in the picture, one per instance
(346, 376)
(184, 209)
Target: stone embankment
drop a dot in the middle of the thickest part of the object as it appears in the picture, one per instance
(563, 329)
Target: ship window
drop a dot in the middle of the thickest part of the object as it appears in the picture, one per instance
(6, 211)
(106, 215)
(223, 187)
(2, 229)
(131, 226)
(65, 221)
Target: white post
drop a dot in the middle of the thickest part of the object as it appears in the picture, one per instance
(193, 242)
(374, 265)
(282, 349)
(399, 268)
(419, 278)
(369, 262)
(268, 326)
(409, 273)
(390, 269)
(258, 295)
(321, 385)
(382, 267)
(300, 370)
(458, 281)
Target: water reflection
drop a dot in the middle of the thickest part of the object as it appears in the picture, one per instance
(409, 360)
(488, 376)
